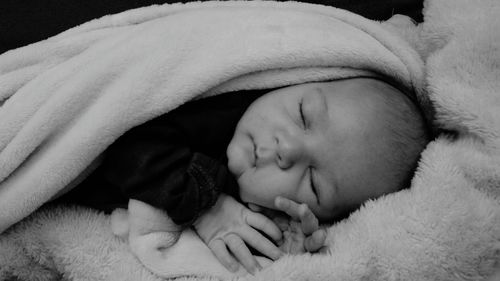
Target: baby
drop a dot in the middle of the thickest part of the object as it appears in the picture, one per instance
(312, 151)
(329, 145)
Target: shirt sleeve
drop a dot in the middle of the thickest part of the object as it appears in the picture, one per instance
(154, 164)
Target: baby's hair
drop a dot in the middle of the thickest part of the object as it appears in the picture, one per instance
(407, 135)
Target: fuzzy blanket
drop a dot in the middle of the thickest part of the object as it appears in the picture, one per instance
(64, 100)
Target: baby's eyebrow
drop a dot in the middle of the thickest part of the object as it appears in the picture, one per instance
(322, 94)
(320, 99)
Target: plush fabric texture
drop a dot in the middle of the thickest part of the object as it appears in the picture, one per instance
(74, 93)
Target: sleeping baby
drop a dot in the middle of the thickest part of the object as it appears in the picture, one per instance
(233, 166)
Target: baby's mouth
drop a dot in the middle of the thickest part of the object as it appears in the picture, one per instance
(255, 157)
(254, 152)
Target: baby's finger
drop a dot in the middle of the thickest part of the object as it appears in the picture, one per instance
(308, 220)
(287, 206)
(281, 222)
(264, 224)
(253, 238)
(220, 251)
(242, 253)
(255, 208)
(270, 213)
(316, 241)
(299, 212)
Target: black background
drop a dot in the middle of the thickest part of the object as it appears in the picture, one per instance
(26, 21)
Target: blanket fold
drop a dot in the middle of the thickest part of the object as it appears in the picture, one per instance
(65, 99)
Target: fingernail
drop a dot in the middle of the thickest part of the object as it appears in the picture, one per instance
(277, 201)
(320, 236)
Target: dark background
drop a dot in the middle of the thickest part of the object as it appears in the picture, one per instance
(26, 21)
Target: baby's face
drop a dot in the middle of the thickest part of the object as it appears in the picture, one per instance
(312, 143)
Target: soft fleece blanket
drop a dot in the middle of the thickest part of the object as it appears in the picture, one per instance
(67, 98)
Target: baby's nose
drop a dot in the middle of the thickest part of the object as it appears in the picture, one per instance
(264, 155)
(290, 149)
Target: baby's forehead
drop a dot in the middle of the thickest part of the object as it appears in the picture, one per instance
(360, 114)
(362, 87)
(365, 96)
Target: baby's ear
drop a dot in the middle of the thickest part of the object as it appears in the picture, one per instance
(120, 223)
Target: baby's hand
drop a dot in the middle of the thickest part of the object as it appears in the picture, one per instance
(302, 232)
(229, 225)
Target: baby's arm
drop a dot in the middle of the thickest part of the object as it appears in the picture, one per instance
(230, 225)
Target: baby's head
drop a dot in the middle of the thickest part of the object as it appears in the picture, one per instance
(331, 145)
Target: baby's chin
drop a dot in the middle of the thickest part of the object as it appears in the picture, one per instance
(234, 162)
(238, 158)
(255, 203)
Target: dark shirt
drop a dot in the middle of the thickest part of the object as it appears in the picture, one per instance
(176, 162)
